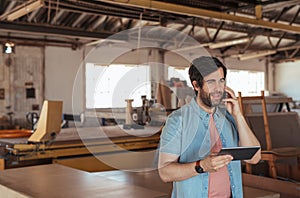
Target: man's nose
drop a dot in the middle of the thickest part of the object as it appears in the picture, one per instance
(219, 86)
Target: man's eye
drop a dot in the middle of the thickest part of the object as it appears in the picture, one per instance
(211, 81)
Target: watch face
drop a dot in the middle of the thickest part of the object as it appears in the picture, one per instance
(199, 169)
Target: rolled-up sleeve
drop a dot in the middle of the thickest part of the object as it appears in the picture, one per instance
(170, 140)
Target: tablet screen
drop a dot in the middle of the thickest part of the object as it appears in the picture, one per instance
(240, 153)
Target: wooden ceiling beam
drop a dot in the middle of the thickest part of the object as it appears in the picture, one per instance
(50, 30)
(197, 12)
(22, 10)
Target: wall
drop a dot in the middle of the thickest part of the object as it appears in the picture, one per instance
(21, 83)
(61, 67)
(287, 79)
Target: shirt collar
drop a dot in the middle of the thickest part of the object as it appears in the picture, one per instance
(198, 109)
(220, 112)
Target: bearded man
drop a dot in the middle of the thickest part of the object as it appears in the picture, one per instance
(195, 133)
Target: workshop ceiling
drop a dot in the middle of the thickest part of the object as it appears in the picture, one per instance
(270, 27)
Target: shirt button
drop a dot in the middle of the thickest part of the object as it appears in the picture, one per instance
(232, 186)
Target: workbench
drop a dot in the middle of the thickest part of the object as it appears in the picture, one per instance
(53, 180)
(48, 181)
(79, 143)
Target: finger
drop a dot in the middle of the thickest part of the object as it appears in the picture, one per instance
(221, 160)
(221, 157)
(228, 157)
(228, 89)
(230, 92)
(221, 165)
(214, 163)
(232, 100)
(213, 154)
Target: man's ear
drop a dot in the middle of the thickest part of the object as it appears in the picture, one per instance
(195, 85)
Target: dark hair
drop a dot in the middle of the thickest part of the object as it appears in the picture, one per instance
(203, 66)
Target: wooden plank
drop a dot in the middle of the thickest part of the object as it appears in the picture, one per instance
(279, 123)
(58, 181)
(70, 144)
(91, 133)
(18, 148)
(150, 179)
(86, 150)
(145, 178)
(89, 164)
(287, 188)
(124, 161)
(258, 193)
(49, 122)
(269, 100)
(2, 163)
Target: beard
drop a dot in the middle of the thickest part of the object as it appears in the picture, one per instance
(206, 98)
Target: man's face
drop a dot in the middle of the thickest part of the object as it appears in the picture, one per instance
(211, 94)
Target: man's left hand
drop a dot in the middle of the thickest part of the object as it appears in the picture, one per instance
(232, 103)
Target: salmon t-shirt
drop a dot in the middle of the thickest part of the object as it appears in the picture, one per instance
(219, 182)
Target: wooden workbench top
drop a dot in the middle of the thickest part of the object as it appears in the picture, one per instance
(150, 179)
(48, 181)
(90, 133)
(77, 142)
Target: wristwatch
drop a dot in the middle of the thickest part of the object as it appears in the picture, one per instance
(198, 168)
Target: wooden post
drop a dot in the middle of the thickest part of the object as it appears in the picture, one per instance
(128, 118)
(2, 164)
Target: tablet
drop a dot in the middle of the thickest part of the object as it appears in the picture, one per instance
(240, 153)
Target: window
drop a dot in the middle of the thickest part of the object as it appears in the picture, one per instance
(109, 86)
(250, 83)
(182, 74)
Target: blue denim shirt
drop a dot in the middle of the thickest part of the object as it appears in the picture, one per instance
(186, 134)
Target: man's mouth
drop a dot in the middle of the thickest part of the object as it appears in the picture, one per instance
(216, 96)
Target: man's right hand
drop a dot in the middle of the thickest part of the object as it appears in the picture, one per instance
(213, 163)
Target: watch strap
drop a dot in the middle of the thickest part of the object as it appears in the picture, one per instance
(198, 163)
(198, 168)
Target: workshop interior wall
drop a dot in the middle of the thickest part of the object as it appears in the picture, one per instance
(21, 83)
(287, 79)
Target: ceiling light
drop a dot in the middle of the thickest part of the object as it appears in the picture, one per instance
(24, 9)
(256, 54)
(8, 48)
(228, 43)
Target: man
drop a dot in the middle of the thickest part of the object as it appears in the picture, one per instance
(197, 131)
